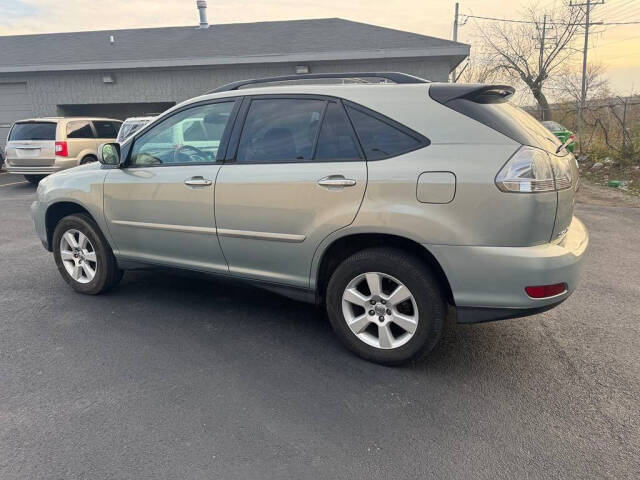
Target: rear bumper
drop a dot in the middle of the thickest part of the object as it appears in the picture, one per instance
(60, 163)
(488, 282)
(487, 314)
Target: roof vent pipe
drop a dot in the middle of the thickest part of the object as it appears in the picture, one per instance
(202, 9)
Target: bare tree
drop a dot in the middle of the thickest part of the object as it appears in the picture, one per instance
(478, 69)
(567, 84)
(533, 49)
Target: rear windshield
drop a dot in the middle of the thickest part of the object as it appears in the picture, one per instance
(511, 121)
(33, 131)
(531, 131)
(553, 126)
(502, 116)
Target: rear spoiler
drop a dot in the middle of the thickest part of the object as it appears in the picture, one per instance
(475, 92)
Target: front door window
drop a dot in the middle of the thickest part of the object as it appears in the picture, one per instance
(188, 137)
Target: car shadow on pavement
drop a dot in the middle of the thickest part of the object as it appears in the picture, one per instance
(295, 328)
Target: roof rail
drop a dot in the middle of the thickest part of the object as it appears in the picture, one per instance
(395, 77)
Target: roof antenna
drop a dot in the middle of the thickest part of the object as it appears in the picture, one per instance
(202, 8)
(112, 39)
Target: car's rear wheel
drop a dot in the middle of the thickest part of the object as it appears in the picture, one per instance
(385, 305)
(34, 179)
(83, 256)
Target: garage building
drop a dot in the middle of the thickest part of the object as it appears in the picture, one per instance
(122, 73)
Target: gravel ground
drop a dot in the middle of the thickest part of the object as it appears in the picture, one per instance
(171, 376)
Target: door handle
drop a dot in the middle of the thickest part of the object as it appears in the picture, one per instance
(336, 181)
(197, 182)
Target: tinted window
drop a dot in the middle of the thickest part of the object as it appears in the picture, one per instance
(336, 140)
(189, 136)
(279, 130)
(380, 139)
(79, 129)
(107, 129)
(33, 131)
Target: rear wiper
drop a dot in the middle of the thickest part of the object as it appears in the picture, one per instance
(564, 145)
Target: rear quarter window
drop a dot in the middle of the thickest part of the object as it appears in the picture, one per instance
(33, 131)
(381, 137)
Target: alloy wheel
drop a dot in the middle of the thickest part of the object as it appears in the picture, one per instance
(380, 310)
(78, 256)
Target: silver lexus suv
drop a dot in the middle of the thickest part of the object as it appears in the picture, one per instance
(385, 202)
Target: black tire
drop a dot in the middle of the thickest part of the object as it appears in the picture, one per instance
(107, 272)
(88, 159)
(34, 179)
(416, 276)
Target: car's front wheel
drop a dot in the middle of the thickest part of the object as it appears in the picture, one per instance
(83, 256)
(385, 305)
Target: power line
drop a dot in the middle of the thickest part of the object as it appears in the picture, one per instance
(530, 22)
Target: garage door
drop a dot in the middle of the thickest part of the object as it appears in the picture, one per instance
(14, 105)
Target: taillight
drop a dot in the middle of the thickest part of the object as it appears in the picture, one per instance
(61, 149)
(531, 170)
(546, 291)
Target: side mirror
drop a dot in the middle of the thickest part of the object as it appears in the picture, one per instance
(109, 154)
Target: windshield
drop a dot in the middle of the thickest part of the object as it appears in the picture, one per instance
(129, 129)
(33, 131)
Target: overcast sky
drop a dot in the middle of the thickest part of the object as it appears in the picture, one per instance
(618, 48)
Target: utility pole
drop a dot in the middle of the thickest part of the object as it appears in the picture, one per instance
(583, 92)
(544, 34)
(587, 24)
(455, 38)
(545, 113)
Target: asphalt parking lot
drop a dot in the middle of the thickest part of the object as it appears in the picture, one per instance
(170, 376)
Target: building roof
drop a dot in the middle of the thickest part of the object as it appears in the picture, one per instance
(227, 44)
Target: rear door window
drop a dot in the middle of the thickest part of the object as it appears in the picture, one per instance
(280, 130)
(33, 131)
(336, 140)
(106, 129)
(380, 138)
(79, 129)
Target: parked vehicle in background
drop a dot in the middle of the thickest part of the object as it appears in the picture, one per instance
(40, 146)
(386, 203)
(130, 126)
(561, 132)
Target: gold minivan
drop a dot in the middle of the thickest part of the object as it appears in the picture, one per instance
(38, 147)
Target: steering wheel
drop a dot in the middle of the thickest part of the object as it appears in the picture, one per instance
(182, 149)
